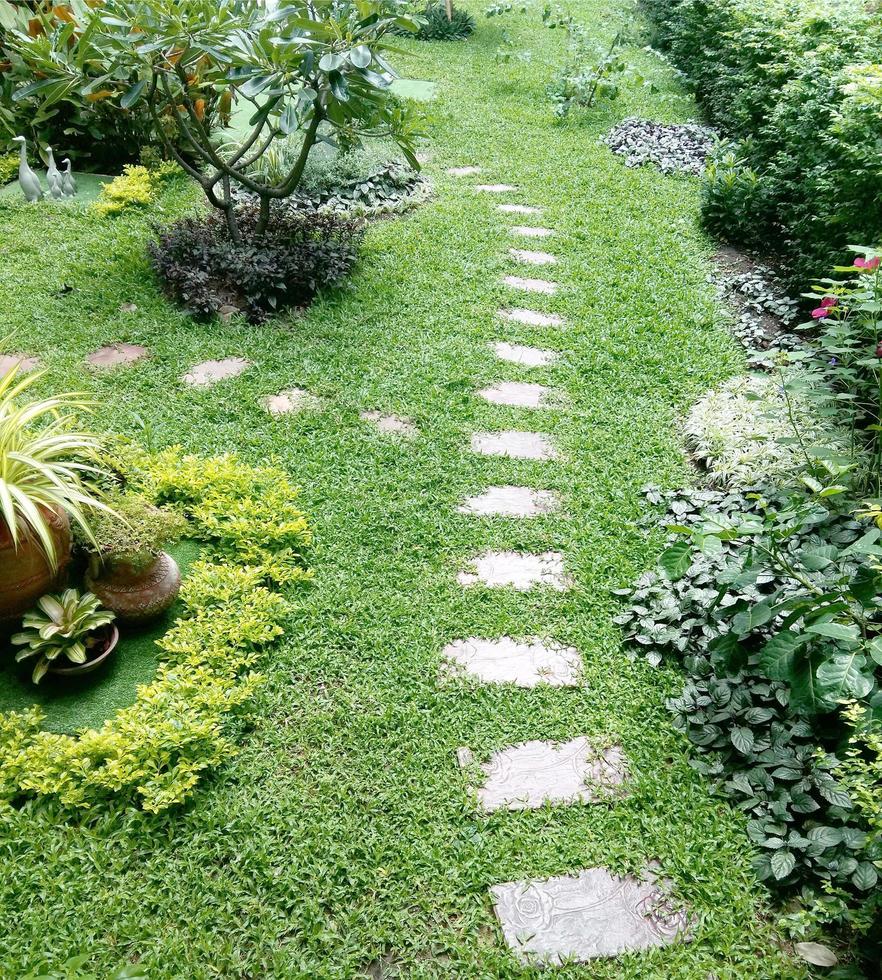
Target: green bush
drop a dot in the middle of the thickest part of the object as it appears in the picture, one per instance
(436, 26)
(799, 88)
(8, 167)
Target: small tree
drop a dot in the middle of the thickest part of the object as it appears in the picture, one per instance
(308, 63)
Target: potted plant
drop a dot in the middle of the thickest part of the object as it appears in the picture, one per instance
(70, 628)
(127, 567)
(46, 468)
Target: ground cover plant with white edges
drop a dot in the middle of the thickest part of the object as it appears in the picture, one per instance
(672, 147)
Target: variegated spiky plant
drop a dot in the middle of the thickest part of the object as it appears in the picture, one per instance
(45, 462)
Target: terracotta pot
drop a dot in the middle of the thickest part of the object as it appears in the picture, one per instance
(77, 670)
(136, 595)
(25, 574)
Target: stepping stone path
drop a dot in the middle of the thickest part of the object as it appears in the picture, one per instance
(591, 914)
(529, 257)
(518, 394)
(115, 355)
(524, 663)
(292, 400)
(527, 776)
(531, 318)
(526, 356)
(531, 231)
(519, 209)
(391, 425)
(463, 171)
(514, 444)
(511, 502)
(24, 364)
(496, 188)
(520, 571)
(209, 372)
(531, 285)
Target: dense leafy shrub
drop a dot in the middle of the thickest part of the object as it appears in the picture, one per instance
(298, 255)
(8, 167)
(800, 85)
(135, 187)
(732, 201)
(437, 25)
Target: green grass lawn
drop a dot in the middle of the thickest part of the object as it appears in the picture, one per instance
(341, 837)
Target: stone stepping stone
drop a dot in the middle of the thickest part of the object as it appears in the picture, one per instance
(24, 364)
(526, 356)
(531, 257)
(524, 663)
(519, 209)
(464, 171)
(514, 444)
(531, 285)
(209, 372)
(510, 502)
(115, 355)
(518, 570)
(495, 188)
(531, 231)
(578, 918)
(517, 394)
(529, 775)
(292, 400)
(532, 319)
(392, 425)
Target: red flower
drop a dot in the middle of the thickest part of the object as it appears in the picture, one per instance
(869, 265)
(828, 304)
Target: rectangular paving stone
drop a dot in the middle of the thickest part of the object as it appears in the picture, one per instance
(532, 318)
(531, 285)
(208, 372)
(115, 355)
(463, 171)
(519, 209)
(518, 394)
(532, 257)
(524, 663)
(523, 355)
(578, 918)
(514, 444)
(531, 231)
(24, 364)
(511, 502)
(517, 570)
(496, 188)
(529, 775)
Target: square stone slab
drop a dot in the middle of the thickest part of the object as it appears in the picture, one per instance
(496, 188)
(519, 209)
(24, 364)
(531, 257)
(575, 919)
(517, 570)
(391, 425)
(292, 400)
(529, 775)
(517, 394)
(525, 356)
(524, 663)
(511, 502)
(531, 285)
(514, 444)
(531, 231)
(209, 372)
(463, 171)
(531, 318)
(116, 354)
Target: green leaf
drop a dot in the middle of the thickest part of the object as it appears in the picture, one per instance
(676, 559)
(875, 649)
(836, 631)
(288, 118)
(742, 739)
(750, 619)
(783, 862)
(841, 677)
(778, 656)
(865, 877)
(360, 56)
(130, 97)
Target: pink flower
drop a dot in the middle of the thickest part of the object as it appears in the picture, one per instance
(820, 313)
(828, 304)
(869, 265)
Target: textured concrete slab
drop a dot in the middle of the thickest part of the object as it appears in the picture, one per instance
(592, 914)
(520, 354)
(9, 361)
(532, 257)
(529, 775)
(514, 444)
(292, 400)
(392, 425)
(531, 318)
(517, 394)
(510, 502)
(524, 663)
(496, 188)
(517, 570)
(463, 171)
(531, 285)
(531, 231)
(519, 209)
(208, 372)
(116, 354)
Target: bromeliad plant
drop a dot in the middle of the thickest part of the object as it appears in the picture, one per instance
(65, 626)
(297, 67)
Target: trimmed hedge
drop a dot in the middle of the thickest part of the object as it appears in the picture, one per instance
(798, 88)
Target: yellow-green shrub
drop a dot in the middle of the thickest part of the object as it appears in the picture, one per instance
(8, 167)
(154, 751)
(136, 186)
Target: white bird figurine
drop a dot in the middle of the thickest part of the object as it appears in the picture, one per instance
(68, 184)
(28, 181)
(53, 176)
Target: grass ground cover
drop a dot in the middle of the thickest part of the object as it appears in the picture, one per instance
(340, 839)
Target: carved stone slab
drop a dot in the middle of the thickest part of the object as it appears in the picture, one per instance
(531, 318)
(116, 354)
(592, 914)
(524, 663)
(517, 570)
(519, 209)
(526, 776)
(531, 285)
(514, 444)
(517, 394)
(391, 425)
(208, 372)
(520, 354)
(292, 400)
(510, 502)
(532, 257)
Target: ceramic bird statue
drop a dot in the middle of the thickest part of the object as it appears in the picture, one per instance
(28, 181)
(68, 184)
(53, 176)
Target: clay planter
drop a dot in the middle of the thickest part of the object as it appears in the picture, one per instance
(72, 670)
(25, 574)
(136, 595)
